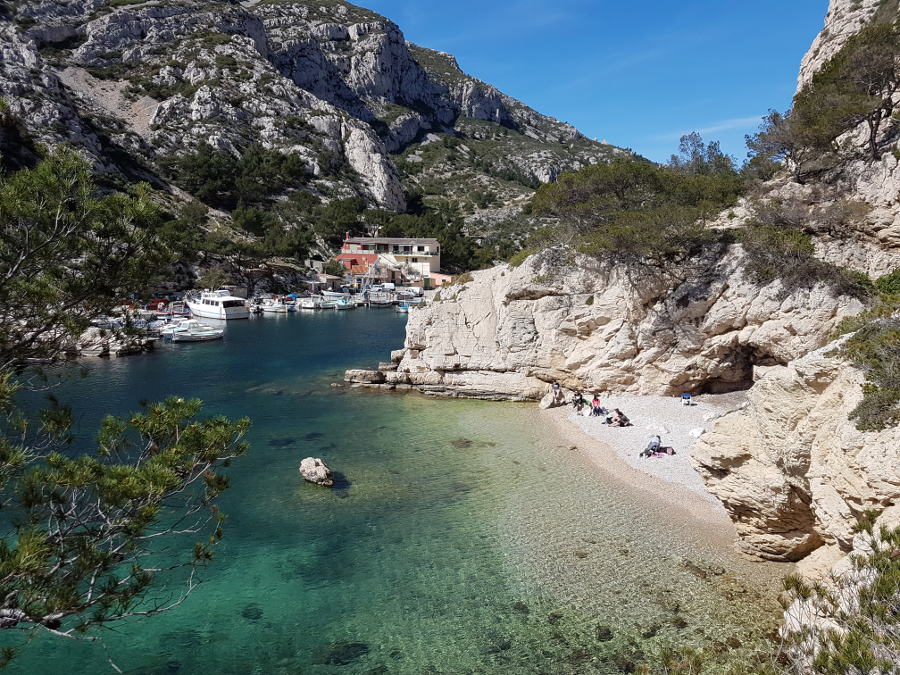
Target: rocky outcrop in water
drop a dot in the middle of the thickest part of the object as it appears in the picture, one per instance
(791, 468)
(314, 470)
(509, 331)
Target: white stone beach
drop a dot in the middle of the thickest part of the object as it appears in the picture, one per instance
(678, 425)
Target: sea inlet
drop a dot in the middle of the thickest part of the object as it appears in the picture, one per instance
(461, 537)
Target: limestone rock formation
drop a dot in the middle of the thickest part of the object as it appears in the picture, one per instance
(791, 468)
(844, 19)
(315, 471)
(134, 84)
(875, 246)
(511, 330)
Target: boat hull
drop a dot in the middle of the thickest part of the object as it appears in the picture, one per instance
(221, 313)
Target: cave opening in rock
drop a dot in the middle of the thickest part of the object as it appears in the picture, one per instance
(736, 372)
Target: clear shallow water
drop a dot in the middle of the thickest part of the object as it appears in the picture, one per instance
(463, 540)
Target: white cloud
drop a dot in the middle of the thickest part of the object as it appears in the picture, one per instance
(715, 127)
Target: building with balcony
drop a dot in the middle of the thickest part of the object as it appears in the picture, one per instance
(397, 259)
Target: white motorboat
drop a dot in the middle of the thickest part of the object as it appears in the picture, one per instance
(192, 331)
(312, 302)
(344, 303)
(274, 306)
(219, 304)
(333, 295)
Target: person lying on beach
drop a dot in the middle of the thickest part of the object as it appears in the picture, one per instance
(652, 447)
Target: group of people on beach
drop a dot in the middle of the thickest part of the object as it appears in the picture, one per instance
(614, 418)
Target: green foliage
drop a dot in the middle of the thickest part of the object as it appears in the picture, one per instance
(695, 156)
(857, 85)
(334, 220)
(335, 268)
(777, 141)
(253, 221)
(875, 349)
(633, 213)
(787, 255)
(889, 284)
(67, 254)
(87, 521)
(865, 638)
(223, 180)
(522, 256)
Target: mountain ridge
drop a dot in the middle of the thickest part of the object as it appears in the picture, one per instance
(335, 85)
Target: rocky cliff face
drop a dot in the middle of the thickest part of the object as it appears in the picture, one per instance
(510, 330)
(791, 468)
(337, 85)
(875, 248)
(844, 19)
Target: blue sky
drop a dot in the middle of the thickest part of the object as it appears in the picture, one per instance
(638, 74)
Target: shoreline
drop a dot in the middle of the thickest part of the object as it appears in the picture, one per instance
(670, 480)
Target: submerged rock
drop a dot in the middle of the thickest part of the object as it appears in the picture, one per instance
(252, 612)
(604, 633)
(340, 653)
(315, 471)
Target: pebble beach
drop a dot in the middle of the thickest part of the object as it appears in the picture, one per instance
(617, 449)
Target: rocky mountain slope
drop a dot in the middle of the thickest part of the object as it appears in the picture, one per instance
(137, 83)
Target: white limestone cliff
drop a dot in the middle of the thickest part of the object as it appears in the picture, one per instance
(510, 330)
(791, 468)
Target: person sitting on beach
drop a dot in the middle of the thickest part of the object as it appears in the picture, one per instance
(596, 408)
(557, 393)
(619, 419)
(652, 447)
(578, 401)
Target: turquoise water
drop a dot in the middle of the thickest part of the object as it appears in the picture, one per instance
(461, 539)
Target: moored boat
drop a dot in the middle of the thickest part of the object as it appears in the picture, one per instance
(274, 306)
(344, 303)
(219, 304)
(192, 331)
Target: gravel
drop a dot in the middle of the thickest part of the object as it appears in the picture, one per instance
(679, 426)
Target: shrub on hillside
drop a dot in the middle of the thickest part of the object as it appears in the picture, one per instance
(861, 609)
(788, 255)
(223, 180)
(632, 212)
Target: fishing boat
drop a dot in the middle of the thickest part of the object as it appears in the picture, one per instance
(192, 331)
(274, 306)
(344, 303)
(310, 302)
(219, 304)
(381, 300)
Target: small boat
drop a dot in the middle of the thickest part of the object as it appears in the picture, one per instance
(307, 303)
(192, 331)
(403, 307)
(274, 307)
(344, 303)
(333, 295)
